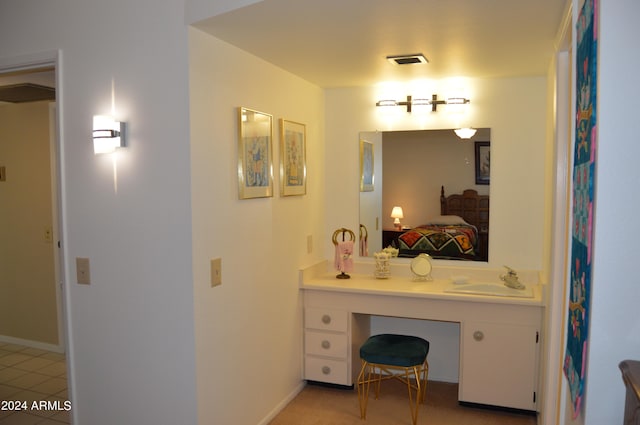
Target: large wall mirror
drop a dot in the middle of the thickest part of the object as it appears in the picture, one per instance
(441, 183)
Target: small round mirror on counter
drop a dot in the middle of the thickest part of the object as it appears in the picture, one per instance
(421, 267)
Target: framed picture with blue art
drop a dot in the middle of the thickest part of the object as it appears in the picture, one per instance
(293, 167)
(255, 164)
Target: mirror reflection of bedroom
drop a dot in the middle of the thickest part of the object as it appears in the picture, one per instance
(441, 183)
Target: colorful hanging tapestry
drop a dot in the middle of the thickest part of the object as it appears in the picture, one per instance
(583, 201)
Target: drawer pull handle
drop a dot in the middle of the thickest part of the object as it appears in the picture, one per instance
(478, 335)
(326, 319)
(326, 344)
(326, 370)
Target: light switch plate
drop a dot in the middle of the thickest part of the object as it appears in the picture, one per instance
(82, 271)
(216, 272)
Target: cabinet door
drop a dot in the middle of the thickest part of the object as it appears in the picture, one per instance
(499, 364)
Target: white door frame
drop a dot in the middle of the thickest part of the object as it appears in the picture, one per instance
(554, 388)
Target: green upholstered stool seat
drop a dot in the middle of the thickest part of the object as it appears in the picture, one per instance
(395, 350)
(383, 354)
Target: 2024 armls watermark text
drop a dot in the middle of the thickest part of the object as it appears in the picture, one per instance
(35, 405)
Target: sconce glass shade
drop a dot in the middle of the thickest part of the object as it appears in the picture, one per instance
(421, 102)
(457, 101)
(386, 103)
(465, 133)
(108, 134)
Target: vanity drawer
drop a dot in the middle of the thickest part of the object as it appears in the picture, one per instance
(326, 370)
(327, 320)
(325, 344)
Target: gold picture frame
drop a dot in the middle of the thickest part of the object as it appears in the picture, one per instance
(255, 154)
(366, 166)
(293, 158)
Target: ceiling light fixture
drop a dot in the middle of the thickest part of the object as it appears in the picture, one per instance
(434, 102)
(465, 132)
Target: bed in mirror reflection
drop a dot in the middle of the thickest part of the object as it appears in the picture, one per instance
(432, 174)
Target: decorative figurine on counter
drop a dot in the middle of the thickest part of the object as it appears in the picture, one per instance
(393, 252)
(344, 252)
(382, 270)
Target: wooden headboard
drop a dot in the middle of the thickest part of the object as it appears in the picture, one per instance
(473, 208)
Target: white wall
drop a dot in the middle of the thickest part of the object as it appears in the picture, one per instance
(514, 109)
(615, 324)
(249, 330)
(131, 348)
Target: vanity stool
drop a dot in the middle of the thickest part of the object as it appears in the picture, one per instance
(388, 353)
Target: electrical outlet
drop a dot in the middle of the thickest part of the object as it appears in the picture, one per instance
(82, 271)
(216, 272)
(48, 234)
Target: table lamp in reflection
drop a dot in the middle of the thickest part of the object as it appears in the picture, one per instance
(396, 215)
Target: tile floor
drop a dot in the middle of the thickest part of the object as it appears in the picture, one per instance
(29, 375)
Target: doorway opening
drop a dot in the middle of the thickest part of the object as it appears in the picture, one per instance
(33, 319)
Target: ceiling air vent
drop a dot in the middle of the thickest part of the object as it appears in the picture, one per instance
(26, 92)
(407, 59)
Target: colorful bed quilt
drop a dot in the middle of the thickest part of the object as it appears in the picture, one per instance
(439, 241)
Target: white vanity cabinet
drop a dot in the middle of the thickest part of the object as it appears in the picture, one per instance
(499, 363)
(499, 336)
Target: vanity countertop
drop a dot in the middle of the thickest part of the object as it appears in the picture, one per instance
(318, 278)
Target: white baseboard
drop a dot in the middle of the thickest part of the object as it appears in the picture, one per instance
(33, 344)
(282, 404)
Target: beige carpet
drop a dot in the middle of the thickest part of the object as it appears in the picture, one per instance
(317, 405)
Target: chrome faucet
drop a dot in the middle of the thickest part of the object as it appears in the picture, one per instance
(511, 279)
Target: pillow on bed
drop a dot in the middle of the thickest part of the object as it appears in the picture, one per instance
(447, 220)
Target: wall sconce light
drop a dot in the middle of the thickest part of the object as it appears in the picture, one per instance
(465, 133)
(397, 214)
(434, 102)
(108, 134)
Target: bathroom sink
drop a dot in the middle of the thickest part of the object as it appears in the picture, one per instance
(494, 289)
